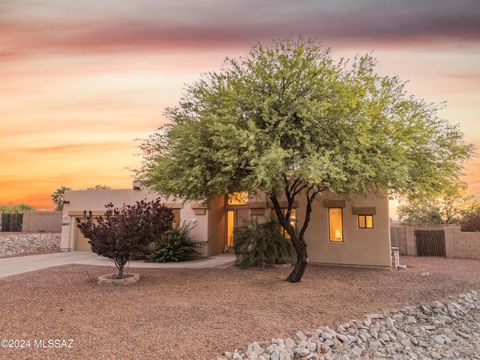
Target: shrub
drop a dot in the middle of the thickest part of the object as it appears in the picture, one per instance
(176, 245)
(471, 219)
(261, 245)
(126, 231)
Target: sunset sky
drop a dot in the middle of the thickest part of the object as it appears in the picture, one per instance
(81, 80)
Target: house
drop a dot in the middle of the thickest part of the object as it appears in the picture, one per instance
(341, 232)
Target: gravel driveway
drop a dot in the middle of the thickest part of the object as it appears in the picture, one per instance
(197, 314)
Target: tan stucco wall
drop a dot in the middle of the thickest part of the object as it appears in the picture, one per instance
(216, 226)
(364, 247)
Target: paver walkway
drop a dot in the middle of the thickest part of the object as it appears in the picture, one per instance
(22, 264)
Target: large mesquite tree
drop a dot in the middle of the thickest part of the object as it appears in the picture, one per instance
(290, 121)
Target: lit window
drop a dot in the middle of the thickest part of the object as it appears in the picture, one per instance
(335, 219)
(230, 227)
(176, 218)
(365, 221)
(238, 198)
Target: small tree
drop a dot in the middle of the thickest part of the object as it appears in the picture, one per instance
(58, 196)
(445, 208)
(289, 121)
(126, 231)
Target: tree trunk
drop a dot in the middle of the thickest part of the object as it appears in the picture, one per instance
(302, 261)
(298, 239)
(120, 266)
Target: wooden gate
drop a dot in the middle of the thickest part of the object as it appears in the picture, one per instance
(12, 222)
(430, 242)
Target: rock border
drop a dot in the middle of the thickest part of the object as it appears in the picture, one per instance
(109, 279)
(438, 330)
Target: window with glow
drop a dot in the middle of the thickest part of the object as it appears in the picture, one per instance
(176, 218)
(365, 221)
(335, 219)
(230, 227)
(238, 198)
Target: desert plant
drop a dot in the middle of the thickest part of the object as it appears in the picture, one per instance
(126, 231)
(261, 245)
(176, 245)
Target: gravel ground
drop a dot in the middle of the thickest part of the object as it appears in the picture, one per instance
(198, 314)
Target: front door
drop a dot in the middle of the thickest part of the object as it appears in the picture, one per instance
(235, 218)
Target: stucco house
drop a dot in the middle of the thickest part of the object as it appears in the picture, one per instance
(341, 232)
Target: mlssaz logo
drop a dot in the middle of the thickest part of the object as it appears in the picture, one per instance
(53, 343)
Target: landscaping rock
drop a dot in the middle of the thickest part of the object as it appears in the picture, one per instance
(12, 244)
(449, 330)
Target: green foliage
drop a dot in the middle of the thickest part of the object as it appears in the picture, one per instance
(290, 109)
(261, 245)
(58, 196)
(446, 208)
(15, 208)
(290, 119)
(176, 245)
(471, 218)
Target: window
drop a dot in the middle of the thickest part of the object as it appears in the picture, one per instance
(335, 226)
(238, 198)
(293, 221)
(365, 221)
(176, 218)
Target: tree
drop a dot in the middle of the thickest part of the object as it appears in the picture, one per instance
(58, 196)
(445, 208)
(126, 231)
(15, 208)
(99, 187)
(290, 121)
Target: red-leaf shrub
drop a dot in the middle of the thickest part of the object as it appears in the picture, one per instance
(124, 232)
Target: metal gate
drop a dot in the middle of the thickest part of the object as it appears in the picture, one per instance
(11, 222)
(430, 242)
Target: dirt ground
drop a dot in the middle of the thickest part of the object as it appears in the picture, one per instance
(197, 314)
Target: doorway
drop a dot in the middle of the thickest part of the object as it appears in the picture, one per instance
(235, 217)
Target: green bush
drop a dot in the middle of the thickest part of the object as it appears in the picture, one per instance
(176, 245)
(261, 245)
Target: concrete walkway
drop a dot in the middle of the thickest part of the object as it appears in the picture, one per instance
(22, 264)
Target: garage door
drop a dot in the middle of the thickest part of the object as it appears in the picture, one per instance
(81, 242)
